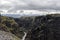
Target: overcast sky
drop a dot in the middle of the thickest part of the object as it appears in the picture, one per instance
(12, 5)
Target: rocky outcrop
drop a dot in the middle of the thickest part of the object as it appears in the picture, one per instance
(8, 36)
(47, 28)
(8, 24)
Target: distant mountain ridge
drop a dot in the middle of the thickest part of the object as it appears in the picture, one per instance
(20, 15)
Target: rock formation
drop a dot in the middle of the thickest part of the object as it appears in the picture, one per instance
(47, 28)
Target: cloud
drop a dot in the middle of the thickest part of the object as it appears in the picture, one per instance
(13, 5)
(44, 4)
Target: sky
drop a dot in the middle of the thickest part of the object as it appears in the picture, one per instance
(14, 5)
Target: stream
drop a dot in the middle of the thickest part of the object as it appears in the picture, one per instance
(24, 36)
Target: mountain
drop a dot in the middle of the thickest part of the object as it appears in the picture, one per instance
(19, 15)
(8, 24)
(37, 27)
(45, 28)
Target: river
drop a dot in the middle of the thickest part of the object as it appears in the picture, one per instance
(23, 38)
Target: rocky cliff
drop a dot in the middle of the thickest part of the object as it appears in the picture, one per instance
(37, 27)
(8, 36)
(8, 24)
(45, 28)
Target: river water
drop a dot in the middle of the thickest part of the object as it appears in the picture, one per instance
(23, 38)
